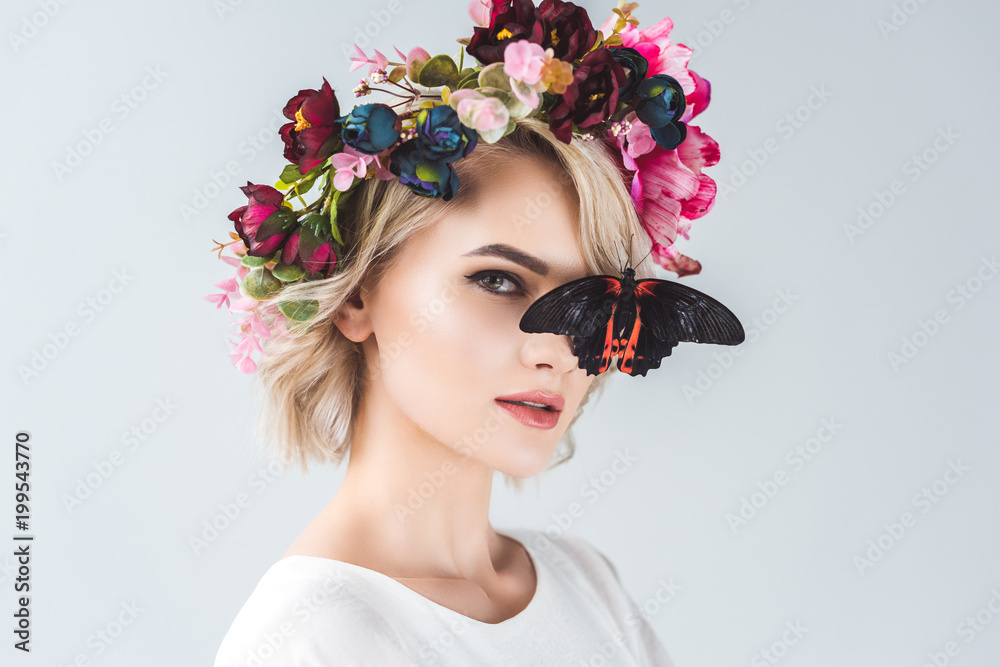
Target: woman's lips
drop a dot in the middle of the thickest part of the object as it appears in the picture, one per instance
(536, 417)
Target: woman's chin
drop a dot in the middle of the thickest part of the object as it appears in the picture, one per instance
(524, 460)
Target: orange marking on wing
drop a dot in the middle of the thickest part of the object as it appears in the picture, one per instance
(644, 289)
(628, 355)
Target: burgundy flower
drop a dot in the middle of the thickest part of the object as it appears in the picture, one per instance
(314, 133)
(310, 248)
(263, 201)
(510, 21)
(591, 98)
(568, 30)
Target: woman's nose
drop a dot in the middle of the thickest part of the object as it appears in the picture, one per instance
(548, 349)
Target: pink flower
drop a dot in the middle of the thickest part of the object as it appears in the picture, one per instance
(671, 260)
(528, 95)
(523, 61)
(666, 58)
(348, 165)
(381, 172)
(243, 305)
(639, 141)
(479, 12)
(415, 59)
(670, 190)
(380, 63)
(255, 324)
(360, 60)
(480, 112)
(219, 299)
(230, 289)
(246, 365)
(252, 329)
(247, 345)
(240, 355)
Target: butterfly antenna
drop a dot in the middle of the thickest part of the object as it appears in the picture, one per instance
(619, 260)
(628, 254)
(647, 255)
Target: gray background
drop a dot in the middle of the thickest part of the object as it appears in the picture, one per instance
(230, 68)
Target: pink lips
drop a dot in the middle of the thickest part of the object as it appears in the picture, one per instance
(529, 416)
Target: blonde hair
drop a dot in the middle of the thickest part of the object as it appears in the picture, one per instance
(313, 379)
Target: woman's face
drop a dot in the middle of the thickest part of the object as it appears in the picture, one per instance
(445, 320)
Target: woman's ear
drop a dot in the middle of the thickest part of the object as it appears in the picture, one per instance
(353, 317)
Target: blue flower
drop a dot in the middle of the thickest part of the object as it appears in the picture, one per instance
(636, 67)
(428, 178)
(370, 128)
(661, 105)
(670, 136)
(441, 137)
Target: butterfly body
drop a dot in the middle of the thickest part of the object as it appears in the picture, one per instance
(637, 321)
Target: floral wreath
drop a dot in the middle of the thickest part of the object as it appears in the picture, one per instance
(627, 87)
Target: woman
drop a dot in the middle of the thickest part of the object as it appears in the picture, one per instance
(403, 566)
(403, 350)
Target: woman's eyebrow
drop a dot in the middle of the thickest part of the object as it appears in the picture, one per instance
(511, 253)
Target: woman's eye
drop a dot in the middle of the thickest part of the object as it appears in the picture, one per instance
(493, 281)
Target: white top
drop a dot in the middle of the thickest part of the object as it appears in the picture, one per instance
(309, 611)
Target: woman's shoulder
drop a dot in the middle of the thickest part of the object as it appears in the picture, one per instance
(578, 567)
(583, 572)
(566, 550)
(308, 609)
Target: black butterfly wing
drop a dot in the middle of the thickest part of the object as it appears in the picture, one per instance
(638, 349)
(674, 313)
(584, 309)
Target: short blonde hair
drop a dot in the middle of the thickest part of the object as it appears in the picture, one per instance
(313, 379)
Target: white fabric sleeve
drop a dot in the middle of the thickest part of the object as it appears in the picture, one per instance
(638, 635)
(281, 631)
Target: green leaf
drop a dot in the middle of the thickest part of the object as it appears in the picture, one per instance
(299, 311)
(279, 222)
(305, 186)
(493, 136)
(260, 283)
(469, 79)
(493, 76)
(440, 70)
(291, 174)
(312, 235)
(397, 74)
(318, 169)
(288, 273)
(516, 107)
(252, 262)
(316, 224)
(334, 229)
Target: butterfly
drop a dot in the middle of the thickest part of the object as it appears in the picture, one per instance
(640, 321)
